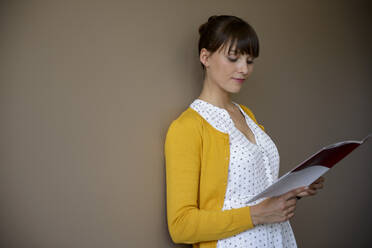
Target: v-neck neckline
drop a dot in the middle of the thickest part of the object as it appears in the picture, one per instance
(251, 129)
(233, 123)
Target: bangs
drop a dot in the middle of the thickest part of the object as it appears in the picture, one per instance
(243, 36)
(221, 32)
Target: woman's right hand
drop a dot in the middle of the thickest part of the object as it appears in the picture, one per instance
(276, 209)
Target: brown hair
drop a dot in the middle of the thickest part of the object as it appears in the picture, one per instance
(219, 30)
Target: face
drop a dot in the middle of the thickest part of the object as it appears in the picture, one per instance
(227, 70)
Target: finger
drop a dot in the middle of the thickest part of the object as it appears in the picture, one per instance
(302, 194)
(308, 192)
(317, 186)
(311, 192)
(290, 215)
(293, 193)
(290, 203)
(319, 180)
(290, 210)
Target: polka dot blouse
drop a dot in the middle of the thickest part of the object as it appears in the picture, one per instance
(252, 168)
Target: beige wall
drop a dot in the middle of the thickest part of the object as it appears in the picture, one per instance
(88, 89)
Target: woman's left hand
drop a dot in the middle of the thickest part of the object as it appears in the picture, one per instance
(313, 188)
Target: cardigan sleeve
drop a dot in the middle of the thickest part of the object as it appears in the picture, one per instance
(187, 223)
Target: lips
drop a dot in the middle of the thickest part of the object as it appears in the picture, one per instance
(240, 80)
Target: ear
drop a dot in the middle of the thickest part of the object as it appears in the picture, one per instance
(204, 56)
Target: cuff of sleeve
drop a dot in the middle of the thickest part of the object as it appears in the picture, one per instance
(243, 218)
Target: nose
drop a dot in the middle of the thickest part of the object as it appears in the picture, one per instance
(244, 68)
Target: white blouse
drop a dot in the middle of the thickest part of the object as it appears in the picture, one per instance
(252, 168)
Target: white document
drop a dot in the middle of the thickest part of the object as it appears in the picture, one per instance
(311, 169)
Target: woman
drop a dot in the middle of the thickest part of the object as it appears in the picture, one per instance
(218, 156)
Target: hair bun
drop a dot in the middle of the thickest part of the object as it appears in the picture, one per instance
(212, 18)
(203, 28)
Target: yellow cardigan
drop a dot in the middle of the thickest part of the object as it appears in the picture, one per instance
(197, 159)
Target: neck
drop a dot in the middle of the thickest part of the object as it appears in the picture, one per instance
(215, 95)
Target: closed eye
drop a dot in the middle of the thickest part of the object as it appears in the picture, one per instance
(235, 59)
(232, 59)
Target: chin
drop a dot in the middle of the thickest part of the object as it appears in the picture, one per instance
(236, 90)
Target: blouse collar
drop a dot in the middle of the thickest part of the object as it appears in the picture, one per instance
(218, 117)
